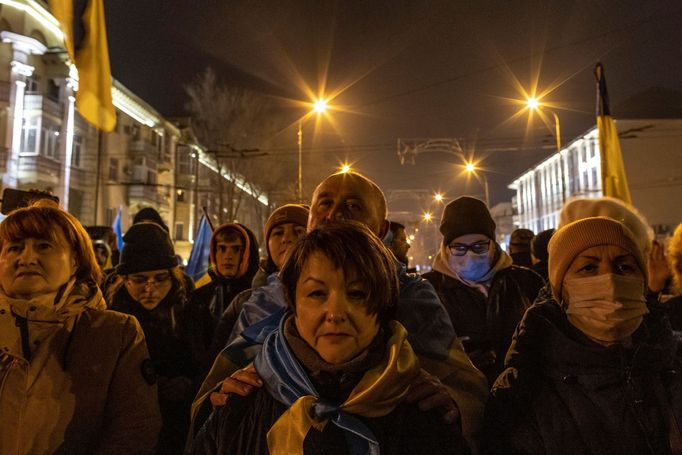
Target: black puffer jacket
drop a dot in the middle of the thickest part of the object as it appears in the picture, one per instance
(564, 394)
(487, 323)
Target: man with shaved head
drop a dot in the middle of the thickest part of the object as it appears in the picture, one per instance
(450, 383)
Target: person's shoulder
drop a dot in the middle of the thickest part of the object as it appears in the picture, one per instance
(523, 275)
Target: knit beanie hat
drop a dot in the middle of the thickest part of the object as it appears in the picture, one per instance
(149, 214)
(146, 247)
(577, 209)
(466, 215)
(289, 213)
(574, 238)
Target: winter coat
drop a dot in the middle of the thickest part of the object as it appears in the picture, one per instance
(241, 427)
(71, 378)
(561, 393)
(217, 293)
(486, 324)
(419, 310)
(175, 357)
(673, 308)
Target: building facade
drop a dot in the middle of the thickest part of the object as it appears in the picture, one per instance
(146, 161)
(652, 154)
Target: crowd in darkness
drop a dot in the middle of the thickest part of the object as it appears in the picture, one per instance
(568, 343)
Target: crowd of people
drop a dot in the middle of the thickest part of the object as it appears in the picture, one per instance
(569, 342)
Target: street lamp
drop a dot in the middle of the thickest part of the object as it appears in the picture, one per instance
(427, 216)
(471, 169)
(534, 104)
(345, 169)
(438, 197)
(319, 107)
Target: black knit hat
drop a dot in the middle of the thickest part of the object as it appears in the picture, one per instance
(149, 214)
(146, 247)
(466, 215)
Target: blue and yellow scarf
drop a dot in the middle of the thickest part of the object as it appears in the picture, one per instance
(379, 391)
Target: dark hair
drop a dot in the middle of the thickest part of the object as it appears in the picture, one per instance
(352, 247)
(394, 226)
(41, 221)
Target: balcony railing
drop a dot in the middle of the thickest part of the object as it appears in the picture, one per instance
(38, 101)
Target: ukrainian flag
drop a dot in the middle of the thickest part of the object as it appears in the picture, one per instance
(91, 57)
(613, 178)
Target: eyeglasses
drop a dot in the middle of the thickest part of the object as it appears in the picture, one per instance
(156, 280)
(460, 249)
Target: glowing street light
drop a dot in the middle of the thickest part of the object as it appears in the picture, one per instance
(345, 169)
(427, 216)
(471, 169)
(319, 107)
(533, 103)
(438, 197)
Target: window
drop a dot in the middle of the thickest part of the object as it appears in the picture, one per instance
(180, 196)
(29, 136)
(179, 230)
(151, 177)
(113, 169)
(76, 152)
(49, 140)
(31, 85)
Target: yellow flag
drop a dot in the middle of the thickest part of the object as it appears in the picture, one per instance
(93, 99)
(613, 177)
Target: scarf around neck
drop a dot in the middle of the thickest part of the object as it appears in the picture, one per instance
(378, 393)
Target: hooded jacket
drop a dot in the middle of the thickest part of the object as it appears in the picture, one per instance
(217, 294)
(486, 323)
(71, 375)
(561, 393)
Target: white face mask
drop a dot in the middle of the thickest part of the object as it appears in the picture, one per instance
(606, 307)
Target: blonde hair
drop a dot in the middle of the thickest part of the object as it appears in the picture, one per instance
(40, 221)
(675, 258)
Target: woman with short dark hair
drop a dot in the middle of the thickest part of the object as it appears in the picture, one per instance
(336, 372)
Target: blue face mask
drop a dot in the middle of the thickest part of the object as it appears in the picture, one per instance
(471, 267)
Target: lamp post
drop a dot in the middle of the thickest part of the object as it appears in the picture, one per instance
(534, 105)
(319, 107)
(471, 169)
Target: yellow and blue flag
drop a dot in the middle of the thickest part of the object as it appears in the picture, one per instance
(85, 39)
(197, 265)
(613, 177)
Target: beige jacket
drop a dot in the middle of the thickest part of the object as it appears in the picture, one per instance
(71, 378)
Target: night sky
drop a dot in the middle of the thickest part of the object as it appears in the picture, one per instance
(412, 69)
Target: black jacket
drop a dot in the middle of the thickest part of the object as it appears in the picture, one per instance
(564, 394)
(487, 323)
(241, 428)
(175, 356)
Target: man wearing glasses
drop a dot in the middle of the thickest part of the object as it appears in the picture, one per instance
(484, 294)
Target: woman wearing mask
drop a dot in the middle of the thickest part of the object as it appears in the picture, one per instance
(336, 372)
(71, 372)
(484, 294)
(150, 286)
(591, 368)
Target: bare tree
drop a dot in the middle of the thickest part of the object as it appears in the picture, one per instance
(237, 124)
